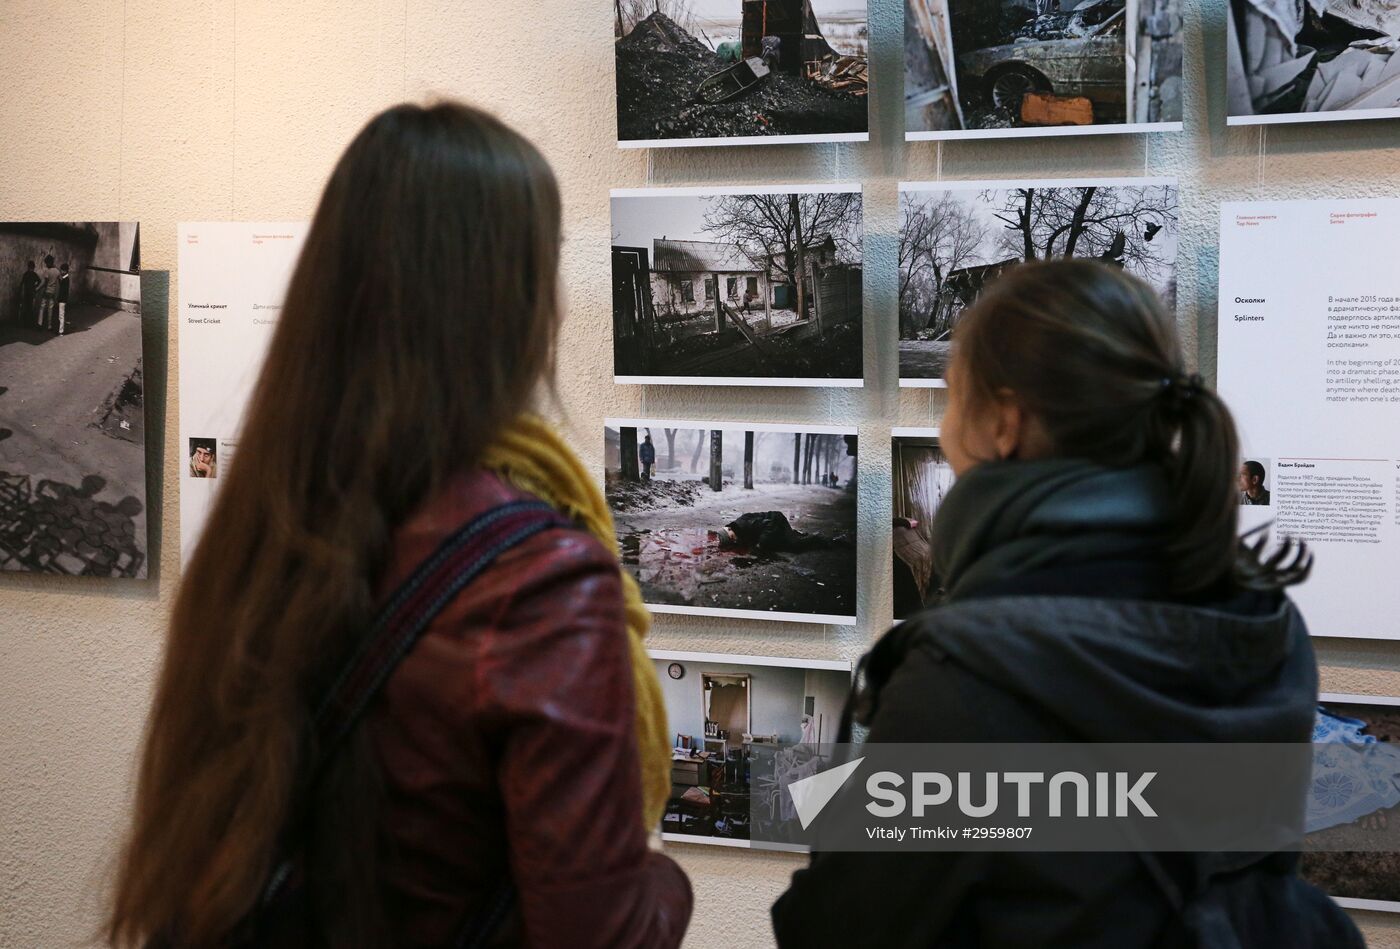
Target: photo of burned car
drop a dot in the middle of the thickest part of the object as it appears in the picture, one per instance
(1026, 66)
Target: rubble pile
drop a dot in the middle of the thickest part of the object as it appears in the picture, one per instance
(660, 66)
(650, 495)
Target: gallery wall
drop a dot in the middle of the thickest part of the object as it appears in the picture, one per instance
(162, 111)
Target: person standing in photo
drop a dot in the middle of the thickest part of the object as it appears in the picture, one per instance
(29, 284)
(405, 699)
(647, 456)
(64, 279)
(48, 294)
(1093, 588)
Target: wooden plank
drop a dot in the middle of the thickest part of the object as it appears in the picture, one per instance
(1044, 108)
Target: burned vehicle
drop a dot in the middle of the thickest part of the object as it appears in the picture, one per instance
(1076, 53)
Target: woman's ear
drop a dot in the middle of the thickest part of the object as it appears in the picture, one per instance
(1010, 431)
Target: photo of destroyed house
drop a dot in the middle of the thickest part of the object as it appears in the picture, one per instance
(751, 286)
(956, 239)
(722, 72)
(736, 520)
(920, 478)
(1352, 849)
(1003, 68)
(72, 405)
(1313, 60)
(746, 728)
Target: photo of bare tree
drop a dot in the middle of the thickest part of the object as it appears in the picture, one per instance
(736, 519)
(714, 72)
(955, 239)
(1001, 68)
(751, 286)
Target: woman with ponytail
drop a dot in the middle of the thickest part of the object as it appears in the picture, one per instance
(1091, 588)
(405, 700)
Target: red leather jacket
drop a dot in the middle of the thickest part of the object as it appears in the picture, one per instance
(509, 750)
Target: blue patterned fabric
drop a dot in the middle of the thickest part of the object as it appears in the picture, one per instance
(1354, 774)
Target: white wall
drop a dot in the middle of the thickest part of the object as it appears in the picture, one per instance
(181, 110)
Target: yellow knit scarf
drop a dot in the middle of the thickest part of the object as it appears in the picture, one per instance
(531, 456)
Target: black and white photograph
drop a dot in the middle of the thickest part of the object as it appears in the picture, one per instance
(920, 477)
(1312, 60)
(955, 239)
(736, 519)
(1016, 68)
(746, 728)
(1351, 807)
(72, 407)
(736, 72)
(1256, 482)
(758, 286)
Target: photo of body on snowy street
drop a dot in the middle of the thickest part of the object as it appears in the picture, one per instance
(725, 519)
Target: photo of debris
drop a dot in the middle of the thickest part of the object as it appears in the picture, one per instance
(1004, 68)
(954, 239)
(748, 286)
(920, 477)
(1312, 60)
(1351, 810)
(72, 408)
(726, 72)
(747, 727)
(736, 519)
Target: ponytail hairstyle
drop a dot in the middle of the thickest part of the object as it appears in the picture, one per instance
(1093, 356)
(419, 321)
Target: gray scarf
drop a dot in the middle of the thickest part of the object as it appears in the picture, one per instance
(1008, 518)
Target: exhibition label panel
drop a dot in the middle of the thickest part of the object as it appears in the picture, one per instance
(232, 280)
(1309, 362)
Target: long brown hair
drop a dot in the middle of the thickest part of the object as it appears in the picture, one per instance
(1092, 354)
(419, 321)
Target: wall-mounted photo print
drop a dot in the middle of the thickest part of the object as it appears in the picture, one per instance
(72, 400)
(1256, 475)
(746, 728)
(956, 239)
(233, 276)
(1312, 61)
(738, 286)
(1014, 68)
(920, 477)
(736, 519)
(1352, 800)
(736, 72)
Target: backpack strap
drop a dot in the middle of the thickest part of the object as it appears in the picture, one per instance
(398, 625)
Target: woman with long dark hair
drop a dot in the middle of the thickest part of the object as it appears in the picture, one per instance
(405, 700)
(1092, 588)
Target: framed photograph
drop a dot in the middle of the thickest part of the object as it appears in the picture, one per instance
(72, 400)
(1352, 803)
(1019, 68)
(745, 728)
(736, 519)
(920, 477)
(956, 238)
(740, 72)
(738, 286)
(1312, 61)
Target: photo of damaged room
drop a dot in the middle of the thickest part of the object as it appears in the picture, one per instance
(1352, 849)
(746, 728)
(1312, 60)
(956, 239)
(1005, 68)
(738, 520)
(719, 72)
(920, 478)
(748, 286)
